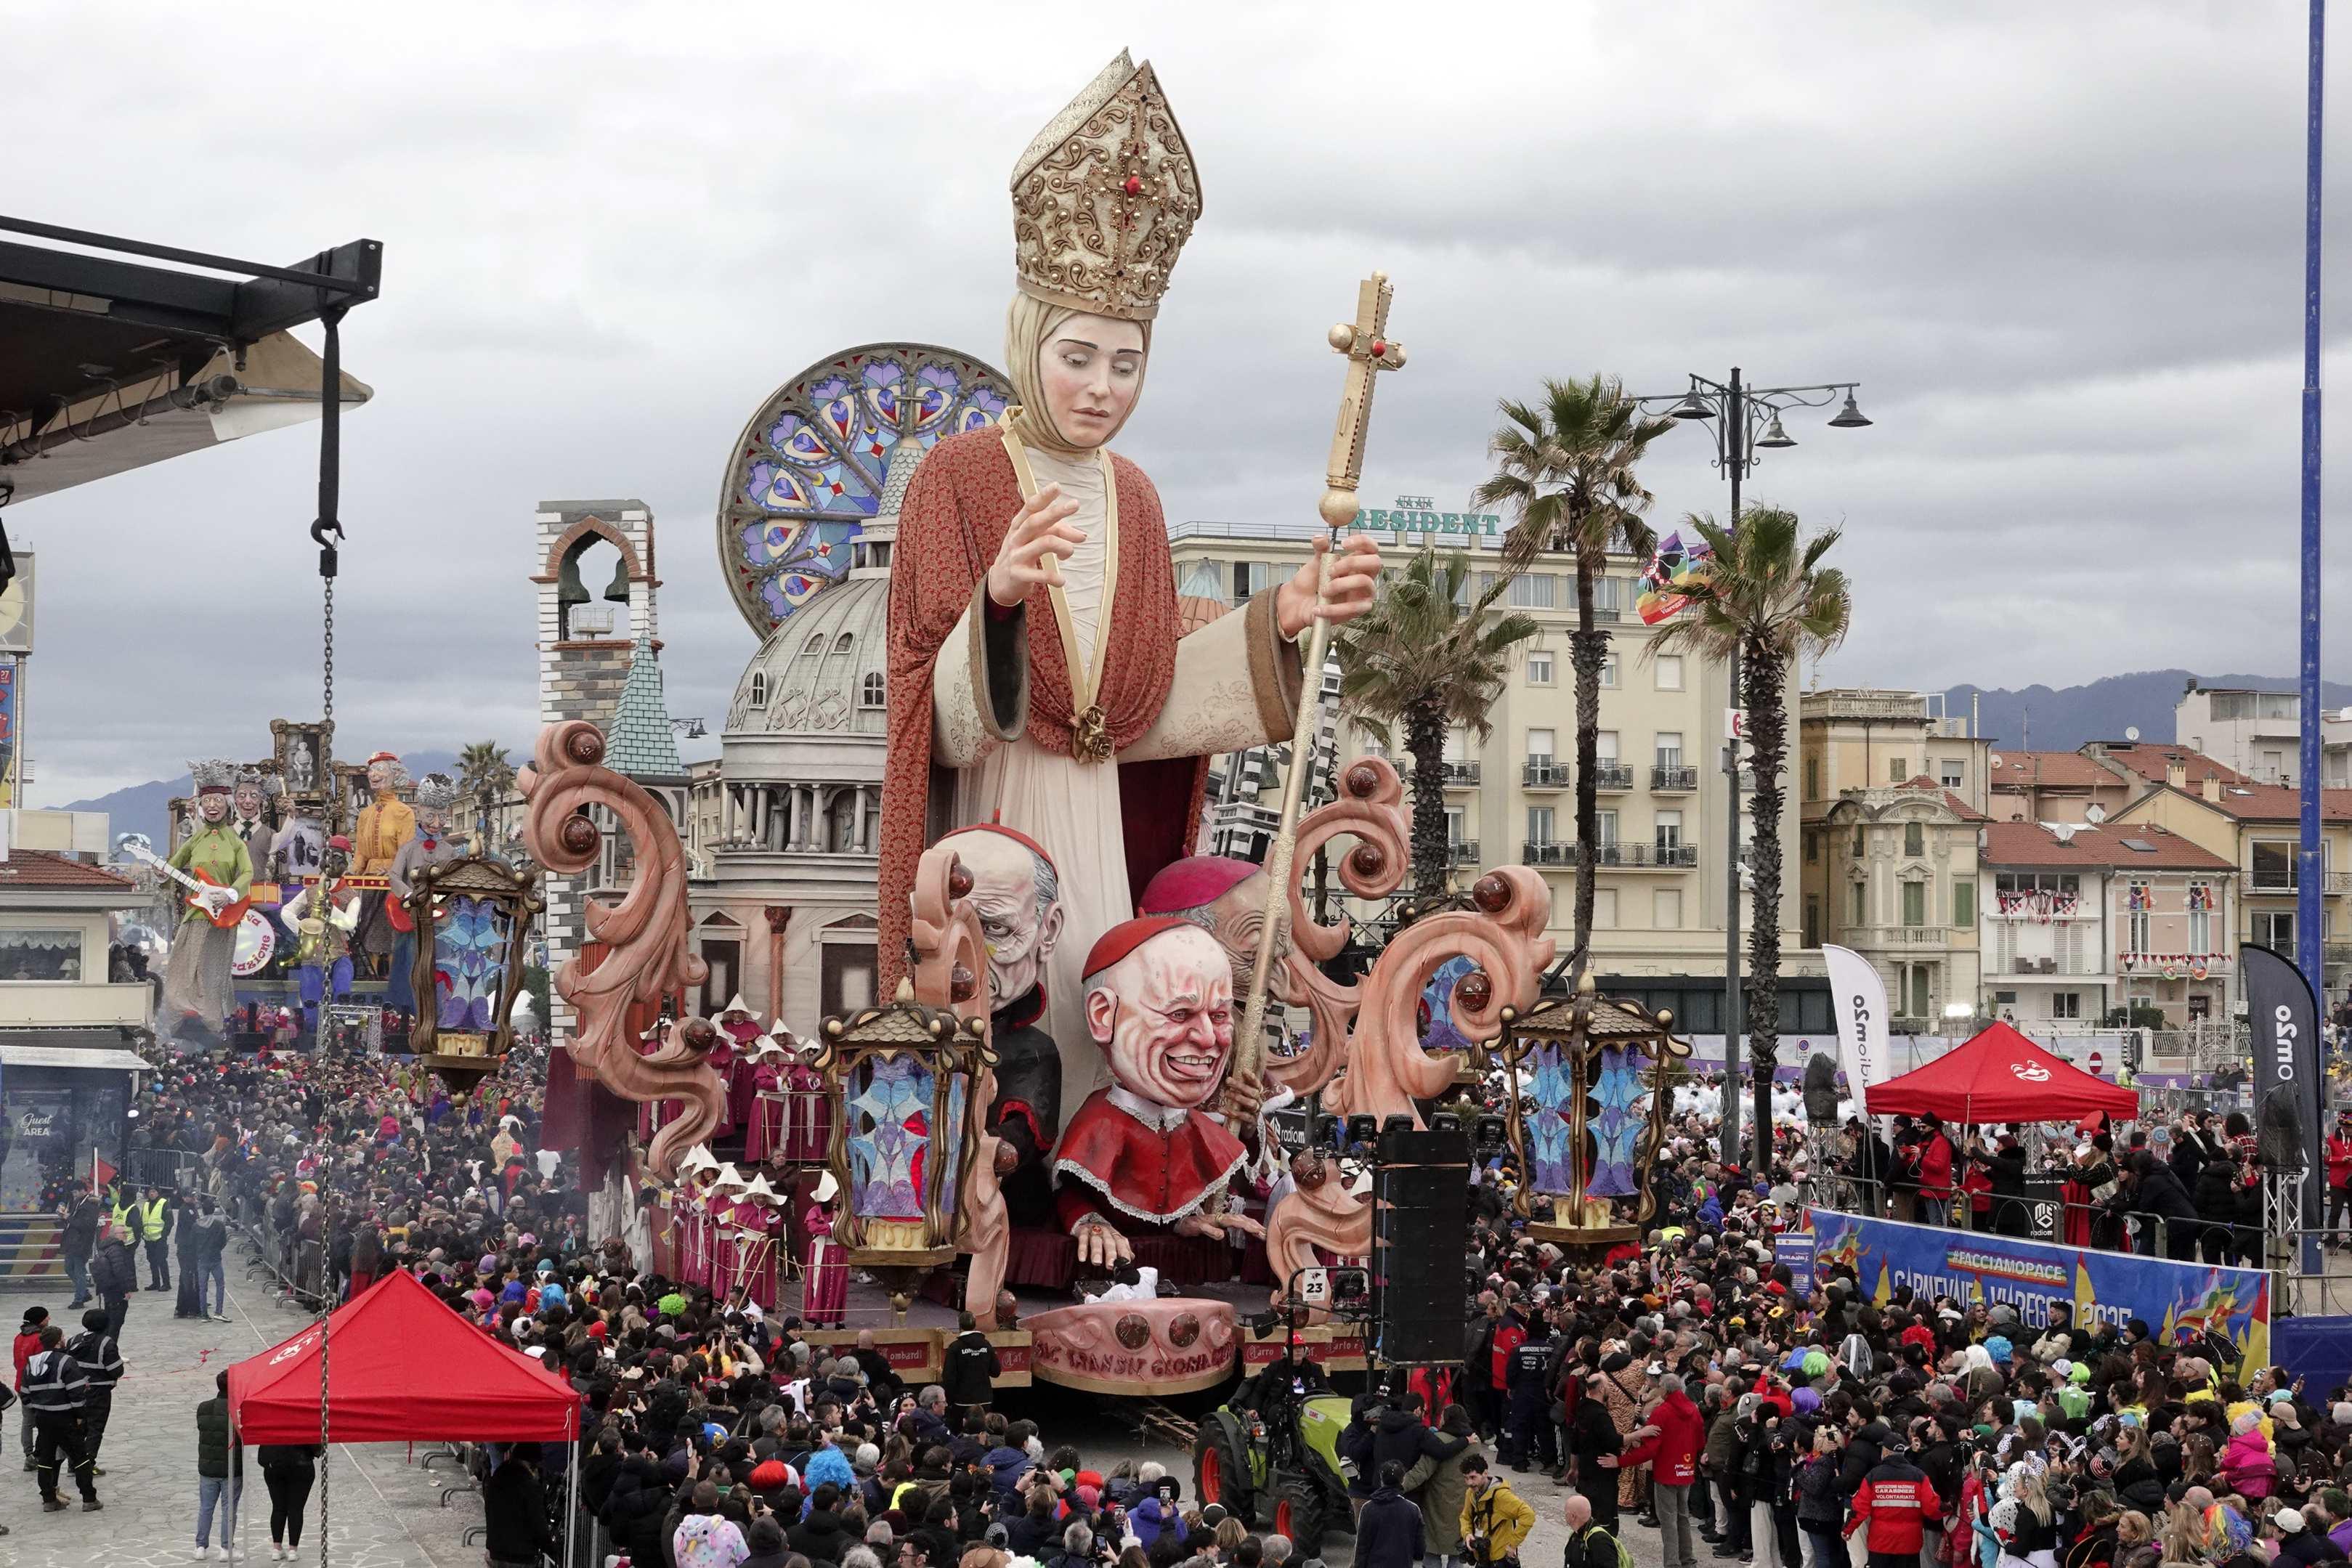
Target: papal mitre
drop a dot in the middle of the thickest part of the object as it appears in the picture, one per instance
(1105, 198)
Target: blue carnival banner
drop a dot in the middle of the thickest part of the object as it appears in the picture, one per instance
(2179, 1302)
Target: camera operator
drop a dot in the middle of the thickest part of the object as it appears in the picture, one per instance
(2004, 1166)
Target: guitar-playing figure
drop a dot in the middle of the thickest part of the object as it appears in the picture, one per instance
(214, 864)
(224, 906)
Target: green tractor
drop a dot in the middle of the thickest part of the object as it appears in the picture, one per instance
(1278, 1470)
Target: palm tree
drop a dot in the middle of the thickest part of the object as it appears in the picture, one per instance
(484, 776)
(1765, 603)
(1566, 468)
(1429, 655)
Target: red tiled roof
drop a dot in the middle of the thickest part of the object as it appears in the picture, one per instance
(2032, 844)
(2050, 770)
(2151, 761)
(39, 868)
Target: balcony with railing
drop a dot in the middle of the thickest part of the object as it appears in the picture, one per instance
(1463, 851)
(1905, 935)
(1617, 776)
(2283, 880)
(1543, 773)
(1673, 779)
(1610, 855)
(1456, 773)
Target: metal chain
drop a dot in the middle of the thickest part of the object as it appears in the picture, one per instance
(327, 1311)
(329, 656)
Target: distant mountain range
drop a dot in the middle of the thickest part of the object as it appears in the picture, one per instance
(147, 808)
(2063, 718)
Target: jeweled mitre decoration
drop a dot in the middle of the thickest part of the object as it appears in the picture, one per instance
(1105, 198)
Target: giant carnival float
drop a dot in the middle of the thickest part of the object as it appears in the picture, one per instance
(1076, 1113)
(1123, 1103)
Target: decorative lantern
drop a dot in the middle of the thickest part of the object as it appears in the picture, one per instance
(905, 1133)
(478, 911)
(1588, 1126)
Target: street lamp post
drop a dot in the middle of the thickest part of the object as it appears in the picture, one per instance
(1744, 419)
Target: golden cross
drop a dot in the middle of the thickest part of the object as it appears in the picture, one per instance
(1368, 349)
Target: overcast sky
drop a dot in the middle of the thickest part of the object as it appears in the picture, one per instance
(2059, 247)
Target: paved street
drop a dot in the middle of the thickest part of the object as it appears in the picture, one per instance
(385, 1509)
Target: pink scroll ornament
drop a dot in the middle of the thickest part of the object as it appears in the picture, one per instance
(1503, 933)
(1371, 809)
(644, 937)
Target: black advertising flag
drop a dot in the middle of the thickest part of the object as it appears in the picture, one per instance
(2285, 1018)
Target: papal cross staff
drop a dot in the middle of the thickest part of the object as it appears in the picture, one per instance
(1370, 350)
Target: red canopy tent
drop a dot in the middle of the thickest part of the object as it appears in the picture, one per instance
(401, 1365)
(2000, 1076)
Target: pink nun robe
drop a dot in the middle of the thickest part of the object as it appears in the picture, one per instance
(763, 1133)
(808, 1123)
(825, 1290)
(759, 1229)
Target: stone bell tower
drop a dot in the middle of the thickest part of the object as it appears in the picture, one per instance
(587, 633)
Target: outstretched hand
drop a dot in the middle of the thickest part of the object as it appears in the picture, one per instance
(1101, 1246)
(1034, 546)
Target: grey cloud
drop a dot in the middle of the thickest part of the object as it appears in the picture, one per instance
(2059, 246)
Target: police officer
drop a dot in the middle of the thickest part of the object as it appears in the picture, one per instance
(54, 1390)
(1527, 1385)
(154, 1217)
(101, 1362)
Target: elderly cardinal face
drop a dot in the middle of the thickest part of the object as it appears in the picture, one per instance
(1164, 1014)
(1239, 916)
(1015, 896)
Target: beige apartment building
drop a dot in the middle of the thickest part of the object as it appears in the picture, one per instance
(1659, 907)
(1893, 794)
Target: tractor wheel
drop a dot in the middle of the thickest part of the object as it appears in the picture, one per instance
(1219, 1468)
(1302, 1512)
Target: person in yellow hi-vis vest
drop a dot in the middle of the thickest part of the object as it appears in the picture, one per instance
(153, 1217)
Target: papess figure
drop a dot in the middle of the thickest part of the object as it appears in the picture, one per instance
(1037, 673)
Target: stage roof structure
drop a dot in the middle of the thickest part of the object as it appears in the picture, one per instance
(110, 363)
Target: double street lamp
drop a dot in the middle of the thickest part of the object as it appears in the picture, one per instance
(1745, 420)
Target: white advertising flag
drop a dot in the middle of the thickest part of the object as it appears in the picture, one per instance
(1860, 998)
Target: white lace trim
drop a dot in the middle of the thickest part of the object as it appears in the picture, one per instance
(1216, 1189)
(1150, 1112)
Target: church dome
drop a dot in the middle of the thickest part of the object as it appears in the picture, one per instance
(820, 673)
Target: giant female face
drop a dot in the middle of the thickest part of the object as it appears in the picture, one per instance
(1091, 370)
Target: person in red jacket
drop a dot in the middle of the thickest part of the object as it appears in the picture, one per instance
(1670, 1443)
(2339, 1175)
(1934, 1172)
(28, 1345)
(1896, 1501)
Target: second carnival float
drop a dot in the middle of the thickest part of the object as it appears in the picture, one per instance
(1064, 1126)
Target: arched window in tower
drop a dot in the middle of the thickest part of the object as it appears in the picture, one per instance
(814, 646)
(591, 593)
(842, 643)
(869, 691)
(760, 688)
